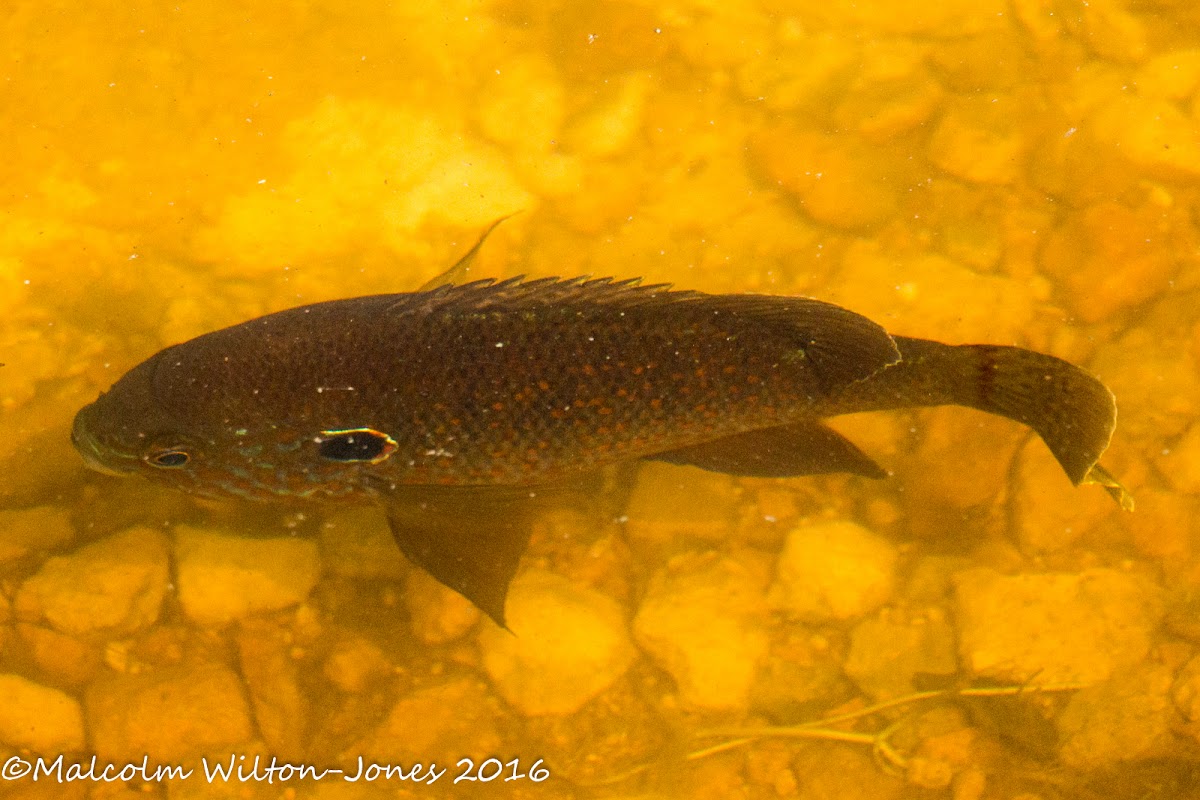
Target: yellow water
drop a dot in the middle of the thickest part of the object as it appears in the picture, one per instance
(1016, 172)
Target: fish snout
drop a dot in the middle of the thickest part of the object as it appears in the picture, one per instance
(89, 447)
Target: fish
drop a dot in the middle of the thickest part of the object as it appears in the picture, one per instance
(461, 407)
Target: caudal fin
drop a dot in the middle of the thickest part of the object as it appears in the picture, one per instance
(1071, 410)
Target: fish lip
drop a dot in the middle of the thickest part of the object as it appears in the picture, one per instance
(89, 447)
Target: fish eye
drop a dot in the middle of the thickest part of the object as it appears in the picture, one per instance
(170, 458)
(356, 444)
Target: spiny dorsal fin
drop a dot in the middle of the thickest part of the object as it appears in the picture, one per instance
(841, 346)
(460, 268)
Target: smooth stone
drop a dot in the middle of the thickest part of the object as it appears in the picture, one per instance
(1054, 628)
(567, 645)
(833, 570)
(115, 585)
(703, 621)
(171, 714)
(224, 577)
(38, 718)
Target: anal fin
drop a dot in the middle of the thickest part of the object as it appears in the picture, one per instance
(805, 448)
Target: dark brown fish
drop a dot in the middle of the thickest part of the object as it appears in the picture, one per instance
(455, 406)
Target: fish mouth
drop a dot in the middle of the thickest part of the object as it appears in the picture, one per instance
(89, 448)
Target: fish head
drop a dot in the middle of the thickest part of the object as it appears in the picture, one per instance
(125, 431)
(212, 426)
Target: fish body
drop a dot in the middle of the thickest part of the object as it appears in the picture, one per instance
(453, 406)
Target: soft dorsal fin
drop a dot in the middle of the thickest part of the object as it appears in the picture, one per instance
(806, 448)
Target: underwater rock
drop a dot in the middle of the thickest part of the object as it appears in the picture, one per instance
(837, 181)
(833, 570)
(933, 294)
(355, 663)
(37, 718)
(115, 585)
(441, 722)
(63, 659)
(800, 73)
(1054, 628)
(982, 140)
(429, 160)
(1050, 514)
(38, 427)
(223, 577)
(888, 648)
(356, 542)
(1155, 135)
(612, 124)
(527, 87)
(32, 530)
(1180, 462)
(1186, 690)
(703, 620)
(845, 773)
(1079, 255)
(1039, 18)
(950, 20)
(1173, 75)
(669, 503)
(620, 731)
(1126, 718)
(567, 644)
(170, 715)
(1112, 32)
(269, 668)
(437, 613)
(894, 94)
(801, 675)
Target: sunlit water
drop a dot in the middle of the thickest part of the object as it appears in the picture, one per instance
(1010, 172)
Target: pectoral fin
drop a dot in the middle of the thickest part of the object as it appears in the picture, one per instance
(807, 448)
(469, 539)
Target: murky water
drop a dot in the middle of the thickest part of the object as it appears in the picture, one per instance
(974, 627)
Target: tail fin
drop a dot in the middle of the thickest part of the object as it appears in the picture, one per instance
(1071, 410)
